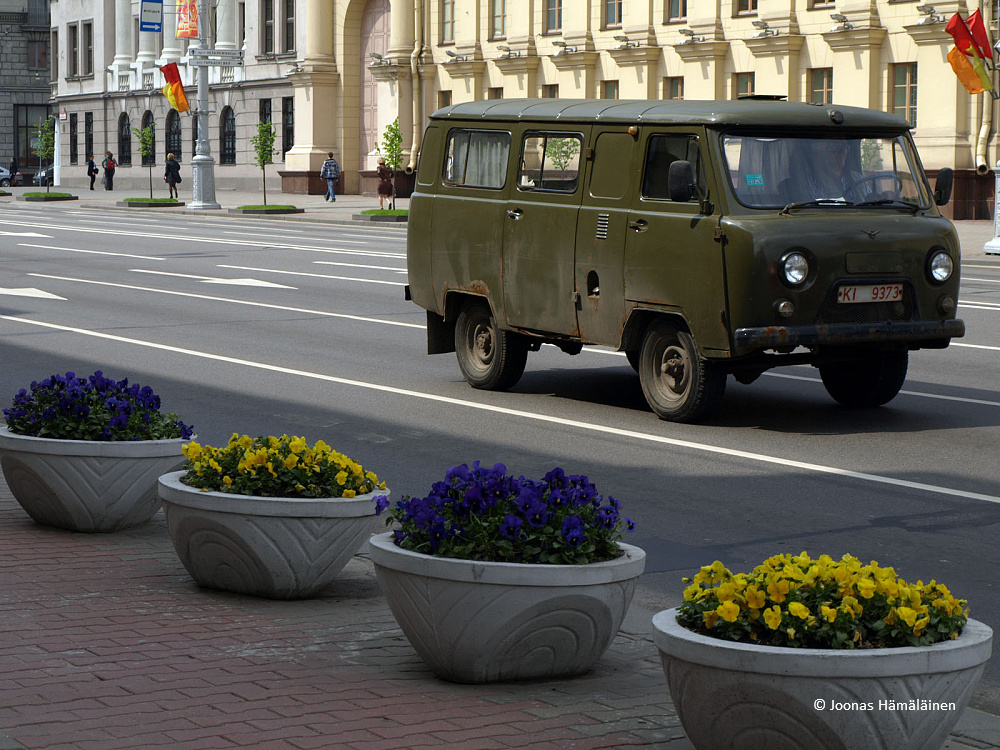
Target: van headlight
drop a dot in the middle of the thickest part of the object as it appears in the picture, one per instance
(940, 266)
(794, 268)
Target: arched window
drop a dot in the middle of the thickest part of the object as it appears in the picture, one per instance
(149, 158)
(227, 153)
(124, 140)
(174, 140)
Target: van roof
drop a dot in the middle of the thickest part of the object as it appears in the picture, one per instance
(746, 112)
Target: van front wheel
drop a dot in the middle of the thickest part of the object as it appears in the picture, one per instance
(679, 385)
(870, 382)
(490, 358)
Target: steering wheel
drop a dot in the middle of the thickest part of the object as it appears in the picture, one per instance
(873, 178)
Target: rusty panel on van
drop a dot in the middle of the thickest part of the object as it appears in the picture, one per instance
(468, 214)
(600, 237)
(420, 226)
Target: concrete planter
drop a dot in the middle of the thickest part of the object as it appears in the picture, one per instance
(480, 622)
(87, 485)
(274, 547)
(266, 211)
(379, 217)
(143, 204)
(46, 198)
(735, 695)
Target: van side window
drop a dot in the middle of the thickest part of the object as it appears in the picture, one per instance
(662, 151)
(476, 158)
(550, 162)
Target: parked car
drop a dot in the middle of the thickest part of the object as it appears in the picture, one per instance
(7, 179)
(43, 177)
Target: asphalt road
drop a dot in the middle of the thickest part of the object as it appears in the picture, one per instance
(267, 327)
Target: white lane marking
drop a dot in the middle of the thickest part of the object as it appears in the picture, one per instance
(984, 281)
(348, 251)
(530, 416)
(26, 234)
(358, 265)
(248, 303)
(976, 346)
(313, 275)
(30, 292)
(91, 252)
(277, 231)
(213, 279)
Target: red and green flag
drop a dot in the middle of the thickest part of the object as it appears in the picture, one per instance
(972, 46)
(174, 90)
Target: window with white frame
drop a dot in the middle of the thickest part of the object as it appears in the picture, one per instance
(498, 19)
(447, 21)
(72, 50)
(677, 10)
(746, 6)
(904, 92)
(277, 21)
(821, 85)
(87, 50)
(553, 16)
(673, 87)
(612, 13)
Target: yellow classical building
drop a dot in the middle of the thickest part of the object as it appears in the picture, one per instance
(331, 75)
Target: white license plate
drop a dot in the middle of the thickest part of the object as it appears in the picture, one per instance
(870, 293)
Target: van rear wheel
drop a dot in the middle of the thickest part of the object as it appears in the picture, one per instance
(490, 358)
(873, 381)
(679, 385)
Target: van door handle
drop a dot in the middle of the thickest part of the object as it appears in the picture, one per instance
(640, 226)
(515, 214)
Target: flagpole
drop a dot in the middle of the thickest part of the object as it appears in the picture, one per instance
(203, 165)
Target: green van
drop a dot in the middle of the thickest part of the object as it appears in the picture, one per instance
(701, 238)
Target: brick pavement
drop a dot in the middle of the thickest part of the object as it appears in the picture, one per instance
(106, 643)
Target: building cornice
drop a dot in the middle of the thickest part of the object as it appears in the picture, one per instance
(526, 64)
(585, 60)
(631, 56)
(927, 33)
(775, 46)
(845, 39)
(465, 68)
(695, 51)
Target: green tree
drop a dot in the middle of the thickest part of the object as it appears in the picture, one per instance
(392, 152)
(263, 146)
(562, 151)
(45, 144)
(147, 145)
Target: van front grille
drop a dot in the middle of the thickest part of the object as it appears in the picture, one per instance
(602, 226)
(867, 312)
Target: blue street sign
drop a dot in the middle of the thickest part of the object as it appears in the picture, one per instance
(151, 15)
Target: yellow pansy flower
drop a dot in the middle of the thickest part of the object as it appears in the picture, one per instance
(728, 611)
(799, 610)
(772, 617)
(828, 612)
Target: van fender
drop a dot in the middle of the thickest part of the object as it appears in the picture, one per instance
(638, 321)
(441, 328)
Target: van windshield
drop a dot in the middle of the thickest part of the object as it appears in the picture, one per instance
(773, 171)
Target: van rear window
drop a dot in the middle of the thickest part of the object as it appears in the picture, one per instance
(476, 158)
(550, 161)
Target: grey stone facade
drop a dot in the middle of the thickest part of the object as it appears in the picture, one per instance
(24, 77)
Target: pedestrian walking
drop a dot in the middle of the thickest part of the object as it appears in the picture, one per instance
(172, 175)
(385, 189)
(13, 167)
(330, 171)
(92, 170)
(109, 165)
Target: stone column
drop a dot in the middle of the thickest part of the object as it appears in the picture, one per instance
(172, 46)
(147, 48)
(225, 24)
(123, 34)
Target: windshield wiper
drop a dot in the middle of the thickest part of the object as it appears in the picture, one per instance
(816, 202)
(893, 202)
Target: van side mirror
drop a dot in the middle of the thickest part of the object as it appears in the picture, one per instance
(680, 181)
(942, 185)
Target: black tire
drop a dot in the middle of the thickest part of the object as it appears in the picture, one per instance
(490, 358)
(633, 359)
(4, 182)
(872, 381)
(679, 385)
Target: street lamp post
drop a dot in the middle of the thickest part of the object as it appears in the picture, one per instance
(203, 165)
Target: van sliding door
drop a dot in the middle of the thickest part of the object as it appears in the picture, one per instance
(540, 232)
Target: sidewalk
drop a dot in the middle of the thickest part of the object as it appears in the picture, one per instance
(105, 642)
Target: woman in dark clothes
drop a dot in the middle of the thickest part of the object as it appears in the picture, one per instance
(384, 183)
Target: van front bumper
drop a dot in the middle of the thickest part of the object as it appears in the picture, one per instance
(749, 340)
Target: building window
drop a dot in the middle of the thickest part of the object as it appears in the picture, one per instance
(289, 26)
(74, 146)
(227, 136)
(495, 93)
(88, 132)
(609, 89)
(55, 57)
(241, 25)
(447, 21)
(743, 85)
(149, 159)
(124, 141)
(822, 4)
(498, 19)
(746, 6)
(38, 55)
(553, 16)
(550, 91)
(444, 99)
(264, 110)
(673, 87)
(174, 139)
(904, 92)
(612, 13)
(677, 10)
(267, 15)
(87, 56)
(73, 50)
(27, 118)
(287, 124)
(821, 85)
